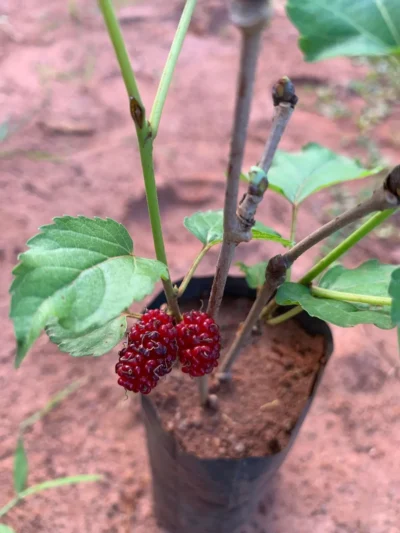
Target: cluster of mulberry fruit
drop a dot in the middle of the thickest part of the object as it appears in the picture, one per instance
(155, 344)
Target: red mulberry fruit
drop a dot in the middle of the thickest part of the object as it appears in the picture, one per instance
(199, 343)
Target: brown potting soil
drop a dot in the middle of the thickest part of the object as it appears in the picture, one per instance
(257, 410)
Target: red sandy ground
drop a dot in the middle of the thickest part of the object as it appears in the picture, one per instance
(61, 87)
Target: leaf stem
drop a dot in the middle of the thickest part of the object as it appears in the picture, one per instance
(192, 270)
(12, 503)
(292, 238)
(170, 65)
(320, 292)
(59, 397)
(285, 316)
(50, 484)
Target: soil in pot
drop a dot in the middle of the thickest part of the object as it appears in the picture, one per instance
(272, 382)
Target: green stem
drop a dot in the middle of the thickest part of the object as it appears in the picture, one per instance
(292, 237)
(285, 316)
(319, 292)
(146, 156)
(145, 140)
(117, 39)
(192, 270)
(170, 65)
(137, 316)
(12, 503)
(334, 254)
(50, 484)
(345, 245)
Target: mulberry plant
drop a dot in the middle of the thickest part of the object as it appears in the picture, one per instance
(80, 275)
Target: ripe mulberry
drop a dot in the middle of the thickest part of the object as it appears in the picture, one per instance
(199, 343)
(151, 351)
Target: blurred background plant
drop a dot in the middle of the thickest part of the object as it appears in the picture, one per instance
(21, 467)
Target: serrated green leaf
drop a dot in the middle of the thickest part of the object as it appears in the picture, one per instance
(298, 175)
(208, 227)
(6, 529)
(332, 28)
(369, 279)
(342, 314)
(394, 291)
(255, 274)
(81, 272)
(20, 466)
(95, 341)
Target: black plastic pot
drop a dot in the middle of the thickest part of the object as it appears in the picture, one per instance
(193, 495)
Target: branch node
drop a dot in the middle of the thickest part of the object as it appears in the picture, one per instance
(137, 112)
(250, 15)
(392, 186)
(283, 92)
(275, 273)
(224, 377)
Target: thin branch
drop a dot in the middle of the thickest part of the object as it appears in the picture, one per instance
(346, 244)
(386, 197)
(275, 276)
(381, 199)
(284, 99)
(248, 63)
(250, 18)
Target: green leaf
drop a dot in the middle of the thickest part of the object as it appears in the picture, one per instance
(95, 341)
(371, 279)
(332, 28)
(81, 272)
(342, 314)
(52, 403)
(20, 466)
(4, 130)
(255, 274)
(61, 482)
(394, 291)
(298, 175)
(208, 227)
(264, 233)
(6, 529)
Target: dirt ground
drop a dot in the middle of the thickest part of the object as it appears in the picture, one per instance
(70, 149)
